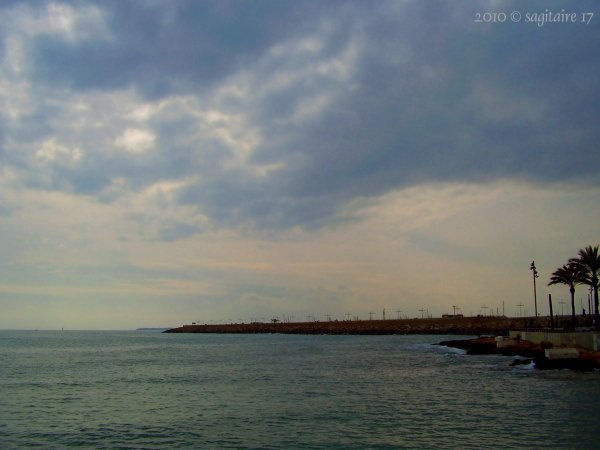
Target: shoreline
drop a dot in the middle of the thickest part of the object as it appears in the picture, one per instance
(527, 352)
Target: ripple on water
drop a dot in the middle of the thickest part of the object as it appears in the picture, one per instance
(135, 390)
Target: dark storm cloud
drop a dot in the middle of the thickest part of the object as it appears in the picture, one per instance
(162, 48)
(425, 95)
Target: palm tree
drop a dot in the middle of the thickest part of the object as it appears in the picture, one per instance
(569, 275)
(588, 260)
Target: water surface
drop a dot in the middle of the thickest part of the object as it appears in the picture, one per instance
(147, 389)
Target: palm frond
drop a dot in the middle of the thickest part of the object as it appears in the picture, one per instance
(588, 261)
(569, 274)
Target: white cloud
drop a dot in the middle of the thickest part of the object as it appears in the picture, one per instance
(136, 140)
(15, 100)
(52, 151)
(73, 23)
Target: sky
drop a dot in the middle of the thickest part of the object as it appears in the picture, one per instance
(164, 162)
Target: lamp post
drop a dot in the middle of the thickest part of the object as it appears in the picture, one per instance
(535, 275)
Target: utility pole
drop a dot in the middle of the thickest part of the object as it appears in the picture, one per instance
(383, 314)
(371, 315)
(520, 305)
(535, 275)
(551, 315)
(398, 311)
(454, 308)
(422, 311)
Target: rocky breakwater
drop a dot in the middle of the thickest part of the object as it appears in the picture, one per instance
(455, 325)
(528, 352)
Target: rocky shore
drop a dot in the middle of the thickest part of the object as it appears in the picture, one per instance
(526, 352)
(455, 325)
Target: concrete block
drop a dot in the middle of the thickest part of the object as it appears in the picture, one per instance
(561, 353)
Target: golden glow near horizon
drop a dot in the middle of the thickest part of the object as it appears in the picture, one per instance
(432, 246)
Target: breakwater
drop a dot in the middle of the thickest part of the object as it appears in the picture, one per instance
(453, 325)
(532, 351)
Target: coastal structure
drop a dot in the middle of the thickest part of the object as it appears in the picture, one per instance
(546, 348)
(588, 340)
(456, 325)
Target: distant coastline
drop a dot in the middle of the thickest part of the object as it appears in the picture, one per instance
(452, 325)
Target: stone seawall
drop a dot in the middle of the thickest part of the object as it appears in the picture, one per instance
(458, 326)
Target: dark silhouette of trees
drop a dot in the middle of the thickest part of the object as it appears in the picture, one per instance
(588, 260)
(570, 275)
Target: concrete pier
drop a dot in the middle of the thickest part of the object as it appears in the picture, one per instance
(588, 340)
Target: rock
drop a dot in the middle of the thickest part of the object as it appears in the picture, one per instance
(521, 362)
(573, 364)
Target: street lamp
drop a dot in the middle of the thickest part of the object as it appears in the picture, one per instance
(535, 275)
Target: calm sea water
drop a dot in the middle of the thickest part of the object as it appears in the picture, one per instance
(144, 389)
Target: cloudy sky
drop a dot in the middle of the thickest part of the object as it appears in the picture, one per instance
(167, 162)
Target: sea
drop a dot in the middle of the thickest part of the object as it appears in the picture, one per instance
(141, 389)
